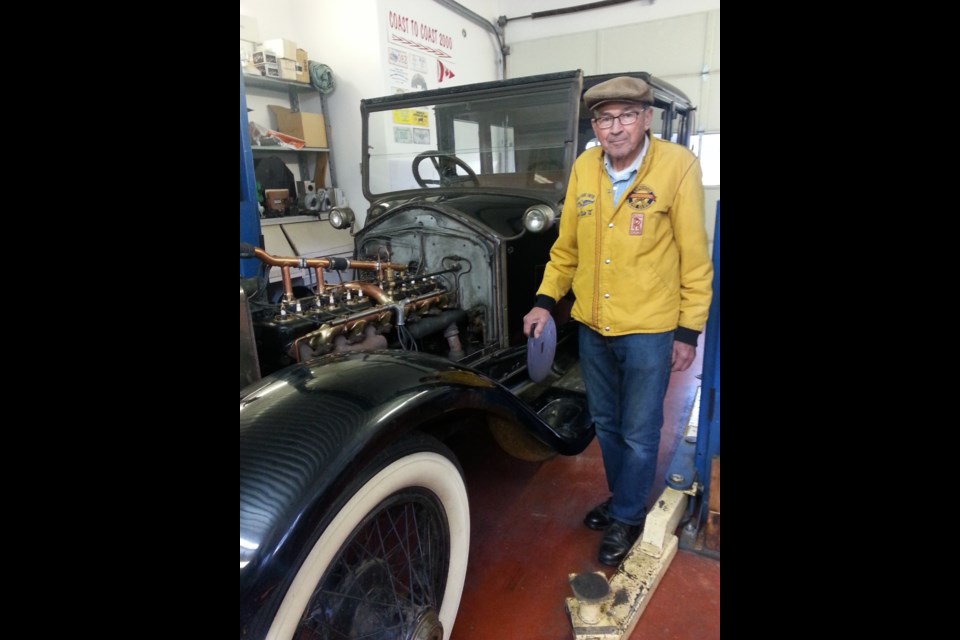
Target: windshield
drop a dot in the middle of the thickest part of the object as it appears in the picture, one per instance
(510, 137)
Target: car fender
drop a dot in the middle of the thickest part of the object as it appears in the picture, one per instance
(306, 430)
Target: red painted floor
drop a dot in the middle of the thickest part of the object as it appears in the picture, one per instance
(527, 536)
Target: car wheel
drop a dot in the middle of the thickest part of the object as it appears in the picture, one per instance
(392, 562)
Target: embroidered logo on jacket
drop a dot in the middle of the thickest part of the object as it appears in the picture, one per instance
(641, 198)
(636, 224)
(585, 204)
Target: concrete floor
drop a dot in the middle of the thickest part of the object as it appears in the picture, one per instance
(527, 536)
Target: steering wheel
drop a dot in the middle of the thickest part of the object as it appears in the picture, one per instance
(448, 175)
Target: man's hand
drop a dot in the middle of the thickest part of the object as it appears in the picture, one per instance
(537, 316)
(683, 354)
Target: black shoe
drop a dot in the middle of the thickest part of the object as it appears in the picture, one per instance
(599, 518)
(617, 542)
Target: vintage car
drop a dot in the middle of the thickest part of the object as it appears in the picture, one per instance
(354, 518)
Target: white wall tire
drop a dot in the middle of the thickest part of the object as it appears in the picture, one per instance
(424, 480)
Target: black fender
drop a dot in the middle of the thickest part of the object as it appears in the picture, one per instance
(306, 430)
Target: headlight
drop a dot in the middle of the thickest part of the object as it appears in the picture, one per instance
(538, 218)
(341, 217)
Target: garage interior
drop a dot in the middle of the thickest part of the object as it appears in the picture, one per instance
(527, 536)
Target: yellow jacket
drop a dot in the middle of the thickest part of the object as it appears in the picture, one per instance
(643, 267)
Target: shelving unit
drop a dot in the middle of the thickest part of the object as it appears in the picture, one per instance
(300, 235)
(324, 158)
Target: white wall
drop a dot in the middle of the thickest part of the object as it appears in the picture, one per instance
(682, 49)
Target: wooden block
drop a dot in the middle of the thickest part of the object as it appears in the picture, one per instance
(320, 174)
(714, 501)
(711, 537)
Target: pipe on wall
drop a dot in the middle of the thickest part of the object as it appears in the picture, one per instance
(575, 9)
(476, 18)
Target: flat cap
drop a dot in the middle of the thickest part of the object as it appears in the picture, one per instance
(619, 89)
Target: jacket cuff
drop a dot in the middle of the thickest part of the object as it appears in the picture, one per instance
(545, 302)
(687, 336)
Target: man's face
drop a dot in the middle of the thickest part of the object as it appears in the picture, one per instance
(622, 142)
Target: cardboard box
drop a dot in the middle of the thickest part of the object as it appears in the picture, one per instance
(308, 126)
(303, 71)
(260, 57)
(269, 70)
(276, 199)
(283, 48)
(288, 69)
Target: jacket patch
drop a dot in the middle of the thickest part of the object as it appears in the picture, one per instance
(636, 224)
(585, 204)
(641, 198)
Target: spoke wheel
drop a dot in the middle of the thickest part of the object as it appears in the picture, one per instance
(391, 565)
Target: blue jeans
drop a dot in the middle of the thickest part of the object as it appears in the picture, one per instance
(626, 378)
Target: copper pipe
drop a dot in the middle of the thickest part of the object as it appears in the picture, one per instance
(287, 284)
(364, 265)
(374, 266)
(372, 291)
(320, 283)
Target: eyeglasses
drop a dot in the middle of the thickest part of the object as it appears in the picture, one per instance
(626, 118)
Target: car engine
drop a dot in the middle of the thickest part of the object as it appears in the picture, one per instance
(422, 282)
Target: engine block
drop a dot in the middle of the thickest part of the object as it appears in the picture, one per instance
(387, 309)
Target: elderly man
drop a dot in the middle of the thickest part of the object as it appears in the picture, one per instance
(633, 247)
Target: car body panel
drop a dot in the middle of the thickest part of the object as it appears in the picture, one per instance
(306, 430)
